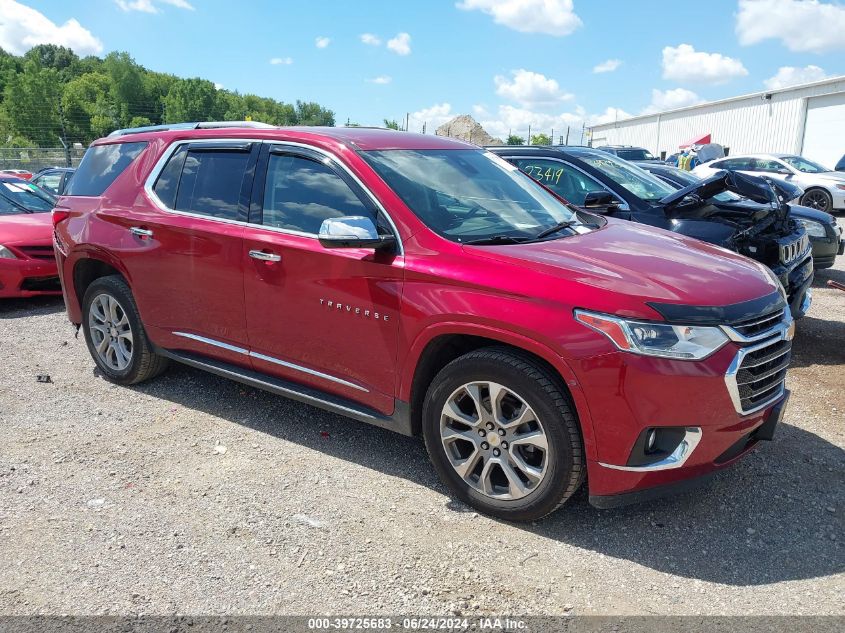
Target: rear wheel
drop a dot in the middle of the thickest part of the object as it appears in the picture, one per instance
(115, 335)
(502, 434)
(817, 199)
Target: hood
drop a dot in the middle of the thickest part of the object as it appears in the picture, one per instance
(751, 187)
(798, 211)
(26, 228)
(633, 264)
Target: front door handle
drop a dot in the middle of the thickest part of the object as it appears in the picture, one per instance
(137, 230)
(265, 257)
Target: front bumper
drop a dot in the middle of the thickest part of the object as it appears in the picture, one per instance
(796, 279)
(28, 278)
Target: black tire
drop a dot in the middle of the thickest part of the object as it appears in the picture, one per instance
(543, 391)
(144, 363)
(817, 199)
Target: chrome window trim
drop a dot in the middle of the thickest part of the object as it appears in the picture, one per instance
(685, 448)
(269, 359)
(622, 207)
(173, 147)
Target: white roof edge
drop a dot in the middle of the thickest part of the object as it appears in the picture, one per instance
(640, 117)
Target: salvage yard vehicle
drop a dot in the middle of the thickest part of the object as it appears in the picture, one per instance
(822, 228)
(54, 179)
(424, 285)
(824, 189)
(759, 228)
(27, 263)
(631, 153)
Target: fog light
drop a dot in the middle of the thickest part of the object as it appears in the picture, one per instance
(650, 440)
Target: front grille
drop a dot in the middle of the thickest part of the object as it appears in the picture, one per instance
(41, 284)
(756, 325)
(38, 252)
(760, 375)
(793, 250)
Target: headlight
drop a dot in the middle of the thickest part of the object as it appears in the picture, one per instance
(5, 253)
(685, 342)
(816, 229)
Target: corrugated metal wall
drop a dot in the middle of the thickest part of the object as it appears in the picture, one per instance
(745, 125)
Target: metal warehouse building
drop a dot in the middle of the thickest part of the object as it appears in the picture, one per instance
(808, 119)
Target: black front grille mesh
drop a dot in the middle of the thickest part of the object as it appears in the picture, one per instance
(758, 324)
(762, 374)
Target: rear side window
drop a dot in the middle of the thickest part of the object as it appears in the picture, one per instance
(100, 166)
(211, 182)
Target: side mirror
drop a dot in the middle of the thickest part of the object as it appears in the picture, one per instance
(599, 200)
(783, 172)
(355, 231)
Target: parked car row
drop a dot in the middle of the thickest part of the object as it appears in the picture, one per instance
(431, 287)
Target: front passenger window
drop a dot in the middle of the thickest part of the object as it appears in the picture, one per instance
(300, 193)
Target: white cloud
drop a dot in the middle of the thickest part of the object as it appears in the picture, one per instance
(322, 42)
(791, 76)
(610, 115)
(512, 120)
(219, 86)
(530, 89)
(281, 61)
(671, 99)
(381, 79)
(148, 6)
(801, 25)
(552, 17)
(401, 44)
(431, 117)
(684, 63)
(22, 27)
(607, 66)
(370, 40)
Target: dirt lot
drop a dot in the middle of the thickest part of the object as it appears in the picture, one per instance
(192, 494)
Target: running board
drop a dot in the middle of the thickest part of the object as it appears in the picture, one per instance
(399, 421)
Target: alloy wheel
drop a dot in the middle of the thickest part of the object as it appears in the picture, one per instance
(816, 200)
(494, 440)
(111, 333)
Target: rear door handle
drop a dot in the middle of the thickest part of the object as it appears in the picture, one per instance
(265, 257)
(137, 230)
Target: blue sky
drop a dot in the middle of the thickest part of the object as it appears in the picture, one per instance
(509, 63)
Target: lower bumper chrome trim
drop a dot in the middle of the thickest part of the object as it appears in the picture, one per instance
(678, 458)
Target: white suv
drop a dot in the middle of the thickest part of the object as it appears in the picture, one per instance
(824, 189)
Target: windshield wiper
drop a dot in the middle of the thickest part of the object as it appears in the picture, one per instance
(496, 239)
(554, 229)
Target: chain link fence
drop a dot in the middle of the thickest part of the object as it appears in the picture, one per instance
(36, 158)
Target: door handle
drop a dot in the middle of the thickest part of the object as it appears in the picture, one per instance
(137, 230)
(265, 257)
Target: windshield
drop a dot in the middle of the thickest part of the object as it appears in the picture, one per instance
(634, 154)
(639, 182)
(802, 164)
(468, 195)
(27, 195)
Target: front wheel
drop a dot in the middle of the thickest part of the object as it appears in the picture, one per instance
(818, 199)
(502, 434)
(115, 335)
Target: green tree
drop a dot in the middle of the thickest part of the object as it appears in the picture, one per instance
(310, 113)
(190, 100)
(58, 58)
(127, 87)
(391, 124)
(31, 103)
(514, 139)
(541, 139)
(88, 108)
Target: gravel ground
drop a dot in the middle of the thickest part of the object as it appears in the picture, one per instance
(193, 494)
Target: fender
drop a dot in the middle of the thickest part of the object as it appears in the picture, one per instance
(86, 252)
(508, 337)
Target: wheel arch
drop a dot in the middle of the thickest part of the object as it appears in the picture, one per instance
(88, 267)
(438, 345)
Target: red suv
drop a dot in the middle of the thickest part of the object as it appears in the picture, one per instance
(426, 286)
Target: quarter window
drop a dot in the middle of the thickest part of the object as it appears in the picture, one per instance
(100, 166)
(566, 181)
(211, 183)
(300, 193)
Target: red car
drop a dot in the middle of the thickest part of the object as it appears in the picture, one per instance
(426, 286)
(27, 263)
(23, 174)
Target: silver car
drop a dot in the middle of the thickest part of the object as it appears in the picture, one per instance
(824, 189)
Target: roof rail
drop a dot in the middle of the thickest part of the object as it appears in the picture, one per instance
(201, 125)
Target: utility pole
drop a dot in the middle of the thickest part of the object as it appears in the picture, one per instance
(529, 134)
(63, 137)
(567, 135)
(552, 137)
(407, 120)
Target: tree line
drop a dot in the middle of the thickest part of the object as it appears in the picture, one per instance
(50, 96)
